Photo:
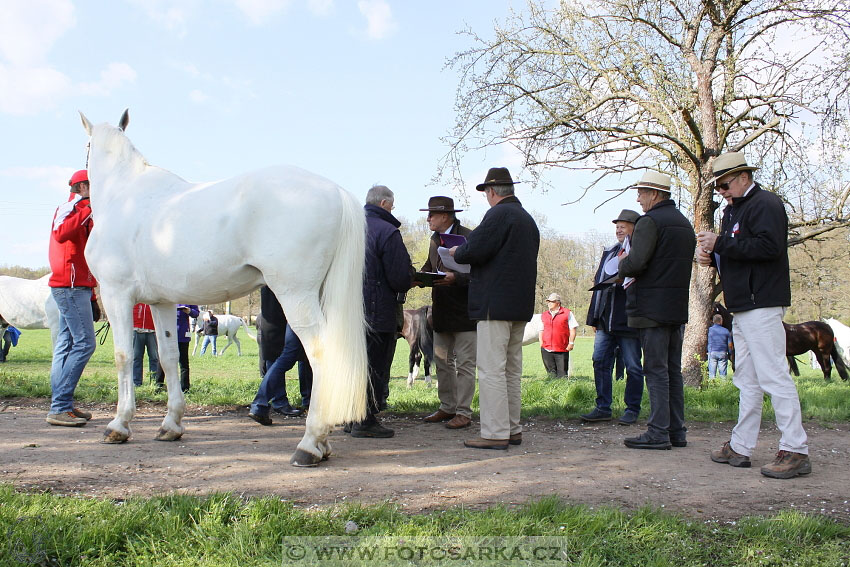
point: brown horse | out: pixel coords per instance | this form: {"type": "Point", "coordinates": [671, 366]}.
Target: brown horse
{"type": "Point", "coordinates": [812, 336]}
{"type": "Point", "coordinates": [418, 330]}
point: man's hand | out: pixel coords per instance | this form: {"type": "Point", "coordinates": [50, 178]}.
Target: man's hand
{"type": "Point", "coordinates": [452, 251]}
{"type": "Point", "coordinates": [703, 257]}
{"type": "Point", "coordinates": [570, 346]}
{"type": "Point", "coordinates": [706, 240]}
{"type": "Point", "coordinates": [450, 279]}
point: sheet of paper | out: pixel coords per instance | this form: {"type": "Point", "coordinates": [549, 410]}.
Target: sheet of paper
{"type": "Point", "coordinates": [449, 262]}
{"type": "Point", "coordinates": [627, 246]}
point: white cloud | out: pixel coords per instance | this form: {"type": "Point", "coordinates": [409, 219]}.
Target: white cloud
{"type": "Point", "coordinates": [258, 11]}
{"type": "Point", "coordinates": [113, 77]}
{"type": "Point", "coordinates": [172, 15]}
{"type": "Point", "coordinates": [320, 7]}
{"type": "Point", "coordinates": [198, 96]}
{"type": "Point", "coordinates": [26, 91]}
{"type": "Point", "coordinates": [379, 18]}
{"type": "Point", "coordinates": [29, 29]}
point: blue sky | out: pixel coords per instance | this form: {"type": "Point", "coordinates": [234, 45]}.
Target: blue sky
{"type": "Point", "coordinates": [356, 91]}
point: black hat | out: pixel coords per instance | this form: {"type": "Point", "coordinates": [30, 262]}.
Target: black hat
{"type": "Point", "coordinates": [441, 205]}
{"type": "Point", "coordinates": [627, 215]}
{"type": "Point", "coordinates": [497, 176]}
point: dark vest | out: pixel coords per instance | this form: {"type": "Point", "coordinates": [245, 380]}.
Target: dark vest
{"type": "Point", "coordinates": [661, 292]}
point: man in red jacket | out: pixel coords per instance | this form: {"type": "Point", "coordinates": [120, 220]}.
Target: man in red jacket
{"type": "Point", "coordinates": [558, 336]}
{"type": "Point", "coordinates": [71, 285]}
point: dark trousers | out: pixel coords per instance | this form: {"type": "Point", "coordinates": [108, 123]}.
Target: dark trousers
{"type": "Point", "coordinates": [604, 347]}
{"type": "Point", "coordinates": [272, 390]}
{"type": "Point", "coordinates": [7, 344]}
{"type": "Point", "coordinates": [662, 367]}
{"type": "Point", "coordinates": [380, 349]}
{"type": "Point", "coordinates": [183, 361]}
{"type": "Point", "coordinates": [556, 363]}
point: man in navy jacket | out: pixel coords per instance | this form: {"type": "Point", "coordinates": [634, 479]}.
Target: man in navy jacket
{"type": "Point", "coordinates": [502, 252]}
{"type": "Point", "coordinates": [388, 275]}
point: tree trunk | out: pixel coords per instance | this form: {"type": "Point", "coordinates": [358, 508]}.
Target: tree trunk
{"type": "Point", "coordinates": [700, 307]}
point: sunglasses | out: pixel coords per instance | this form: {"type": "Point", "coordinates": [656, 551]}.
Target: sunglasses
{"type": "Point", "coordinates": [725, 186]}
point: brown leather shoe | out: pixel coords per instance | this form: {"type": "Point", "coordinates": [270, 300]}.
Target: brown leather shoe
{"type": "Point", "coordinates": [459, 422]}
{"type": "Point", "coordinates": [726, 455]}
{"type": "Point", "coordinates": [515, 439]}
{"type": "Point", "coordinates": [481, 443]}
{"type": "Point", "coordinates": [439, 416]}
{"type": "Point", "coordinates": [788, 465]}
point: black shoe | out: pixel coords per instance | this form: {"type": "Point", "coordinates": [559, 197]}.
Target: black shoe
{"type": "Point", "coordinates": [679, 442]}
{"type": "Point", "coordinates": [644, 441]}
{"type": "Point", "coordinates": [347, 427]}
{"type": "Point", "coordinates": [261, 419]}
{"type": "Point", "coordinates": [371, 429]}
{"type": "Point", "coordinates": [287, 410]}
{"type": "Point", "coordinates": [596, 415]}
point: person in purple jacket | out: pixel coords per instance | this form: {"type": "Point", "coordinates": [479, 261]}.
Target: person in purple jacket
{"type": "Point", "coordinates": [183, 337]}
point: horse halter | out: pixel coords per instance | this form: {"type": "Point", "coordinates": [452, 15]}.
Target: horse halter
{"type": "Point", "coordinates": [88, 152]}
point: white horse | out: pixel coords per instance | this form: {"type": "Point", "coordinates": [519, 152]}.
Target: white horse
{"type": "Point", "coordinates": [299, 233]}
{"type": "Point", "coordinates": [28, 304]}
{"type": "Point", "coordinates": [842, 337]}
{"type": "Point", "coordinates": [532, 330]}
{"type": "Point", "coordinates": [228, 325]}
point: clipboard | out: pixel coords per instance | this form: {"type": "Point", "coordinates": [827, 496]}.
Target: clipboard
{"type": "Point", "coordinates": [451, 240]}
{"type": "Point", "coordinates": [609, 281]}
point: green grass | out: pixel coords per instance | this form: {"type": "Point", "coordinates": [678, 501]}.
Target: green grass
{"type": "Point", "coordinates": [224, 530]}
{"type": "Point", "coordinates": [232, 380]}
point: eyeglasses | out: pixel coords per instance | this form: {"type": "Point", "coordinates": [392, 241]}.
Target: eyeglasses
{"type": "Point", "coordinates": [725, 186]}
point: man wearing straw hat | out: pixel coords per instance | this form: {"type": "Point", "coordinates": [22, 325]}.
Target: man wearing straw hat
{"type": "Point", "coordinates": [502, 252]}
{"type": "Point", "coordinates": [660, 261]}
{"type": "Point", "coordinates": [751, 256]}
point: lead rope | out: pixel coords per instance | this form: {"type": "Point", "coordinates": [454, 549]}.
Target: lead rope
{"type": "Point", "coordinates": [104, 328]}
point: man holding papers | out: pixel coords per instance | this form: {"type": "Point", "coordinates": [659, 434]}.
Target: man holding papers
{"type": "Point", "coordinates": [454, 333]}
{"type": "Point", "coordinates": [503, 254]}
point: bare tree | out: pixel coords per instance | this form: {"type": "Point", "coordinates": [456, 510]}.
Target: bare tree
{"type": "Point", "coordinates": [612, 86]}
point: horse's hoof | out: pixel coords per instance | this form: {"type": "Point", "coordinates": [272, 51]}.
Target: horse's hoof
{"type": "Point", "coordinates": [301, 458]}
{"type": "Point", "coordinates": [114, 437]}
{"type": "Point", "coordinates": [166, 435]}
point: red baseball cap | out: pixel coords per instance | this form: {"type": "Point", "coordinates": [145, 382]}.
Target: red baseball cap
{"type": "Point", "coordinates": [82, 175]}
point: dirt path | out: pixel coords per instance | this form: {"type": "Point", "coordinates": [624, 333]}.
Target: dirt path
{"type": "Point", "coordinates": [423, 467]}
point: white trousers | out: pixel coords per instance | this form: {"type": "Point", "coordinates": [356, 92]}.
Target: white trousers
{"type": "Point", "coordinates": [761, 368]}
{"type": "Point", "coordinates": [499, 377]}
{"type": "Point", "coordinates": [454, 355]}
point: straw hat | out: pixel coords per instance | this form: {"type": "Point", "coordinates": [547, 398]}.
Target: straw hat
{"type": "Point", "coordinates": [653, 180]}
{"type": "Point", "coordinates": [730, 162]}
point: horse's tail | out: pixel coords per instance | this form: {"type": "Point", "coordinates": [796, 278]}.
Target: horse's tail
{"type": "Point", "coordinates": [247, 330]}
{"type": "Point", "coordinates": [839, 362]}
{"type": "Point", "coordinates": [340, 393]}
{"type": "Point", "coordinates": [426, 335]}
{"type": "Point", "coordinates": [792, 364]}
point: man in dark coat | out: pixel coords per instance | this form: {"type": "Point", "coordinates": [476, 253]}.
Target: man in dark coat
{"type": "Point", "coordinates": [751, 255]}
{"type": "Point", "coordinates": [454, 332]}
{"type": "Point", "coordinates": [660, 261]}
{"type": "Point", "coordinates": [607, 316]}
{"type": "Point", "coordinates": [387, 278]}
{"type": "Point", "coordinates": [502, 252]}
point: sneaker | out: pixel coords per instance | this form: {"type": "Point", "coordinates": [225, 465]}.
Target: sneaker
{"type": "Point", "coordinates": [644, 441]}
{"type": "Point", "coordinates": [66, 418]}
{"type": "Point", "coordinates": [80, 413]}
{"type": "Point", "coordinates": [596, 415]}
{"type": "Point", "coordinates": [629, 417]}
{"type": "Point", "coordinates": [261, 419]}
{"type": "Point", "coordinates": [728, 456]}
{"type": "Point", "coordinates": [788, 465]}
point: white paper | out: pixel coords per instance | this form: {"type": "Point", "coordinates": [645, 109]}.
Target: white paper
{"type": "Point", "coordinates": [449, 262]}
{"type": "Point", "coordinates": [626, 247]}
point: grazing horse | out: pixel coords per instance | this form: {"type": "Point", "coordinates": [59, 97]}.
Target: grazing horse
{"type": "Point", "coordinates": [28, 304]}
{"type": "Point", "coordinates": [299, 233]}
{"type": "Point", "coordinates": [809, 336]}
{"type": "Point", "coordinates": [815, 336]}
{"type": "Point", "coordinates": [418, 330]}
{"type": "Point", "coordinates": [228, 325]}
{"type": "Point", "coordinates": [532, 331]}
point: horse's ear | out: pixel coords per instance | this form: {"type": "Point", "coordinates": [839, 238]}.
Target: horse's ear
{"type": "Point", "coordinates": [125, 119]}
{"type": "Point", "coordinates": [86, 123]}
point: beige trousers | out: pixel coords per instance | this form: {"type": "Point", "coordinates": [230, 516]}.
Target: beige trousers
{"type": "Point", "coordinates": [499, 375]}
{"type": "Point", "coordinates": [454, 355]}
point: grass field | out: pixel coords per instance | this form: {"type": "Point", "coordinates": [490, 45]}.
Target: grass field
{"type": "Point", "coordinates": [224, 530]}
{"type": "Point", "coordinates": [233, 380]}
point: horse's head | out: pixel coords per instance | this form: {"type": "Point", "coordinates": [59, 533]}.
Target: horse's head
{"type": "Point", "coordinates": [109, 150]}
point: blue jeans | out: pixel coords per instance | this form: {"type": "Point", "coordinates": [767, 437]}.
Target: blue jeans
{"type": "Point", "coordinates": [662, 366]}
{"type": "Point", "coordinates": [272, 388]}
{"type": "Point", "coordinates": [208, 340]}
{"type": "Point", "coordinates": [604, 347]}
{"type": "Point", "coordinates": [74, 345]}
{"type": "Point", "coordinates": [142, 341]}
{"type": "Point", "coordinates": [717, 361]}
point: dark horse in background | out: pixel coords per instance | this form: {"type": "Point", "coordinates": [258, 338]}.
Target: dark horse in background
{"type": "Point", "coordinates": [418, 330]}
{"type": "Point", "coordinates": [814, 336]}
